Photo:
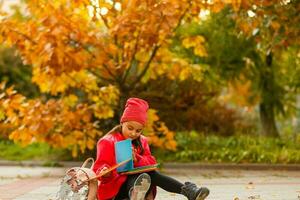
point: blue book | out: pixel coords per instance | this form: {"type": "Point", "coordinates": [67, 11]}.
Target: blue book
{"type": "Point", "coordinates": [123, 151]}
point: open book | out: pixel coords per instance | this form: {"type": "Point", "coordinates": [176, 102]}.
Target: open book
{"type": "Point", "coordinates": [123, 151]}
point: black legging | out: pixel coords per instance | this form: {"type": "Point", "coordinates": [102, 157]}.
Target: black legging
{"type": "Point", "coordinates": [157, 179]}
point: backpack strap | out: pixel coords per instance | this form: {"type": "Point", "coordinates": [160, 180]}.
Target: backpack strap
{"type": "Point", "coordinates": [87, 161]}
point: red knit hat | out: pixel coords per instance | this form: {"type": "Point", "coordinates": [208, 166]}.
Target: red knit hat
{"type": "Point", "coordinates": [135, 110]}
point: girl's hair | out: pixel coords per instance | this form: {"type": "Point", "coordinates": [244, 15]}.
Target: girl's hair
{"type": "Point", "coordinates": [136, 142]}
{"type": "Point", "coordinates": [116, 129]}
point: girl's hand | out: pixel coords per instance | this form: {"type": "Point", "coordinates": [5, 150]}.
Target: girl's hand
{"type": "Point", "coordinates": [105, 175]}
{"type": "Point", "coordinates": [134, 154]}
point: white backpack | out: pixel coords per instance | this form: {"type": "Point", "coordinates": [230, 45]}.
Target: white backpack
{"type": "Point", "coordinates": [76, 184]}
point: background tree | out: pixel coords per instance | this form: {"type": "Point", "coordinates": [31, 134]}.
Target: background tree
{"type": "Point", "coordinates": [88, 56]}
{"type": "Point", "coordinates": [13, 72]}
{"type": "Point", "coordinates": [254, 56]}
{"type": "Point", "coordinates": [275, 27]}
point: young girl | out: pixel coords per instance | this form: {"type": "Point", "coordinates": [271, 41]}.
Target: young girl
{"type": "Point", "coordinates": [138, 186]}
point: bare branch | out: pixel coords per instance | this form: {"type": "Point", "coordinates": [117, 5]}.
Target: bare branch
{"type": "Point", "coordinates": [156, 47]}
{"type": "Point", "coordinates": [24, 35]}
{"type": "Point", "coordinates": [94, 56]}
{"type": "Point", "coordinates": [182, 16]}
{"type": "Point", "coordinates": [109, 71]}
{"type": "Point", "coordinates": [146, 67]}
{"type": "Point", "coordinates": [131, 59]}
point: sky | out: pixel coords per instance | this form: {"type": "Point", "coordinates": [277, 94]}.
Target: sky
{"type": "Point", "coordinates": [7, 3]}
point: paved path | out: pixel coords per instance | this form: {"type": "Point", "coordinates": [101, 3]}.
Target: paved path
{"type": "Point", "coordinates": [39, 183]}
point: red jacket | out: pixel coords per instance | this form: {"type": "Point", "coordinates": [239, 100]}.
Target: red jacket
{"type": "Point", "coordinates": [110, 186]}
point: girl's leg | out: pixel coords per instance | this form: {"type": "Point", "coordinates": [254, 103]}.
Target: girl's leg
{"type": "Point", "coordinates": [123, 193]}
{"type": "Point", "coordinates": [150, 195]}
{"type": "Point", "coordinates": [165, 182]}
{"type": "Point", "coordinates": [188, 189]}
{"type": "Point", "coordinates": [137, 185]}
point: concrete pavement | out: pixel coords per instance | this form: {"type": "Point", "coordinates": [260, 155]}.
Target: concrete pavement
{"type": "Point", "coordinates": [41, 183]}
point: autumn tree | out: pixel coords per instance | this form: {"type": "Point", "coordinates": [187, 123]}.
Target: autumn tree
{"type": "Point", "coordinates": [88, 56]}
{"type": "Point", "coordinates": [275, 27]}
{"type": "Point", "coordinates": [255, 47]}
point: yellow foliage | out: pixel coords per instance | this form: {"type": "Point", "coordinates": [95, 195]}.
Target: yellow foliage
{"type": "Point", "coordinates": [159, 135]}
{"type": "Point", "coordinates": [90, 144]}
{"type": "Point", "coordinates": [236, 4]}
{"type": "Point", "coordinates": [171, 145]}
{"type": "Point", "coordinates": [184, 74]}
{"type": "Point", "coordinates": [217, 6]}
{"type": "Point", "coordinates": [70, 100]}
{"type": "Point", "coordinates": [54, 84]}
{"type": "Point", "coordinates": [166, 63]}
{"type": "Point", "coordinates": [142, 56]}
{"type": "Point", "coordinates": [275, 25]}
{"type": "Point", "coordinates": [58, 140]}
{"type": "Point", "coordinates": [200, 51]}
{"type": "Point", "coordinates": [54, 122]}
{"type": "Point", "coordinates": [77, 135]}
{"type": "Point", "coordinates": [197, 42]}
{"type": "Point", "coordinates": [239, 92]}
{"type": "Point", "coordinates": [193, 41]}
{"type": "Point", "coordinates": [245, 27]}
{"type": "Point", "coordinates": [107, 98]}
{"type": "Point", "coordinates": [188, 42]}
{"type": "Point", "coordinates": [75, 151]}
{"type": "Point", "coordinates": [2, 114]}
{"type": "Point", "coordinates": [72, 47]}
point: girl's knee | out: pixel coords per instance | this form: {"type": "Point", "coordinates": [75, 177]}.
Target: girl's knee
{"type": "Point", "coordinates": [153, 173]}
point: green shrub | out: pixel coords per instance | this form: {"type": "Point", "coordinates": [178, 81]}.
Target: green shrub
{"type": "Point", "coordinates": [197, 147]}
{"type": "Point", "coordinates": [192, 147]}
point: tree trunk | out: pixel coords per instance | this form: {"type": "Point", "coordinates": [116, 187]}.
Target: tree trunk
{"type": "Point", "coordinates": [267, 118]}
{"type": "Point", "coordinates": [268, 99]}
{"type": "Point", "coordinates": [122, 101]}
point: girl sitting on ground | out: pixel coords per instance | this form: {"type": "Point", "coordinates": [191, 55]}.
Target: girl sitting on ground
{"type": "Point", "coordinates": [114, 186]}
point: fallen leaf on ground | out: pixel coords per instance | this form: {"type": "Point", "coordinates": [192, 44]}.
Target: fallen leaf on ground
{"type": "Point", "coordinates": [250, 185]}
{"type": "Point", "coordinates": [255, 197]}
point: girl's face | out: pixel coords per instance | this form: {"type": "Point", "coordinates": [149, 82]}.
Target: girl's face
{"type": "Point", "coordinates": [132, 129]}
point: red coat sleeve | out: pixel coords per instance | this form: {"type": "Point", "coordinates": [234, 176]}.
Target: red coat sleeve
{"type": "Point", "coordinates": [146, 158]}
{"type": "Point", "coordinates": [105, 158]}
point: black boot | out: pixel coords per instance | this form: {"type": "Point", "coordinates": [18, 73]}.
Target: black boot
{"type": "Point", "coordinates": [192, 192]}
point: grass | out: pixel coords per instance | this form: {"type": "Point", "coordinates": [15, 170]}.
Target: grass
{"type": "Point", "coordinates": [15, 152]}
